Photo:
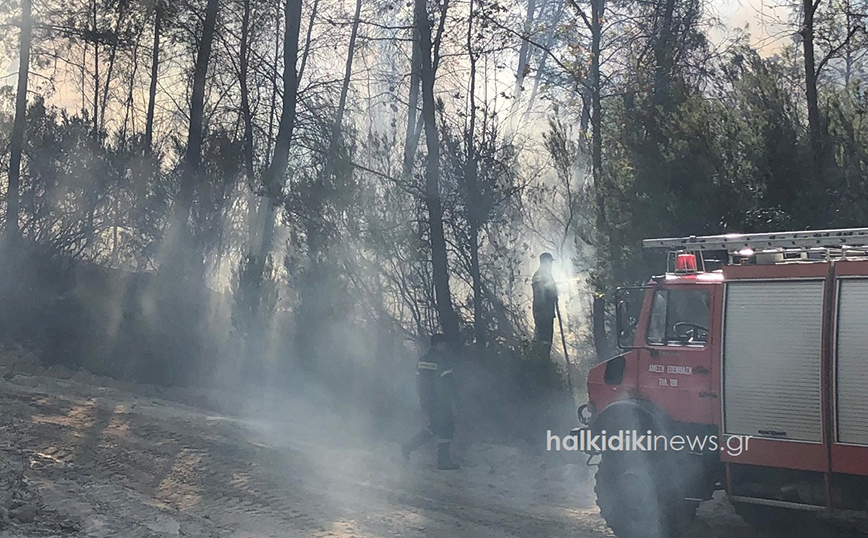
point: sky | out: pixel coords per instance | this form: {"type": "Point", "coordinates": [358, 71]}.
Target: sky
{"type": "Point", "coordinates": [760, 16]}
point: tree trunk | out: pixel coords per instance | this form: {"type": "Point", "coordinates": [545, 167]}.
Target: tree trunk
{"type": "Point", "coordinates": [260, 210]}
{"type": "Point", "coordinates": [814, 128]}
{"type": "Point", "coordinates": [16, 142]}
{"type": "Point", "coordinates": [152, 89]}
{"type": "Point", "coordinates": [92, 195]}
{"type": "Point", "coordinates": [95, 69]}
{"type": "Point", "coordinates": [272, 105]}
{"type": "Point", "coordinates": [663, 54]}
{"type": "Point", "coordinates": [111, 66]}
{"type": "Point", "coordinates": [414, 125]}
{"type": "Point", "coordinates": [550, 36]}
{"type": "Point", "coordinates": [246, 113]}
{"type": "Point", "coordinates": [479, 324]}
{"type": "Point", "coordinates": [411, 141]}
{"type": "Point", "coordinates": [848, 48]}
{"type": "Point", "coordinates": [180, 259]}
{"type": "Point", "coordinates": [274, 176]}
{"type": "Point", "coordinates": [129, 117]}
{"type": "Point", "coordinates": [308, 39]}
{"type": "Point", "coordinates": [440, 262]}
{"type": "Point", "coordinates": [523, 52]}
{"type": "Point", "coordinates": [342, 103]}
{"type": "Point", "coordinates": [602, 232]}
{"type": "Point", "coordinates": [247, 119]}
{"type": "Point", "coordinates": [193, 153]}
{"type": "Point", "coordinates": [473, 205]}
{"type": "Point", "coordinates": [83, 71]}
{"type": "Point", "coordinates": [598, 9]}
{"type": "Point", "coordinates": [601, 342]}
{"type": "Point", "coordinates": [597, 13]}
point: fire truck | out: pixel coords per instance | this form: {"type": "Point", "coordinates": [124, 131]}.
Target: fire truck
{"type": "Point", "coordinates": [756, 344]}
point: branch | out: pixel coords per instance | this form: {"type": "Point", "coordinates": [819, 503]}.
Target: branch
{"type": "Point", "coordinates": [579, 82]}
{"type": "Point", "coordinates": [383, 26]}
{"type": "Point", "coordinates": [377, 173]}
{"type": "Point", "coordinates": [582, 14]}
{"type": "Point", "coordinates": [834, 52]}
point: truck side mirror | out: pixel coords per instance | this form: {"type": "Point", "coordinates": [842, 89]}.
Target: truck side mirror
{"type": "Point", "coordinates": [628, 306]}
{"type": "Point", "coordinates": [620, 316]}
{"type": "Point", "coordinates": [626, 331]}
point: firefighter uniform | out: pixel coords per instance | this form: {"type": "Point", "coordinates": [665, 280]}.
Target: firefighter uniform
{"type": "Point", "coordinates": [545, 299]}
{"type": "Point", "coordinates": [435, 384]}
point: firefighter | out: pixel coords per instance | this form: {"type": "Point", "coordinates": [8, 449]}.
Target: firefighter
{"type": "Point", "coordinates": [437, 394]}
{"type": "Point", "coordinates": [545, 300]}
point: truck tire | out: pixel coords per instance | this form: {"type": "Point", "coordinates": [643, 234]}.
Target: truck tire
{"type": "Point", "coordinates": [638, 497]}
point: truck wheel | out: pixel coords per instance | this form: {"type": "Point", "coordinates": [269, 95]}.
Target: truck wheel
{"type": "Point", "coordinates": [637, 496]}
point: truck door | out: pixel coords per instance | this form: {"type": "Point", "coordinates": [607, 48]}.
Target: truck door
{"type": "Point", "coordinates": [675, 364]}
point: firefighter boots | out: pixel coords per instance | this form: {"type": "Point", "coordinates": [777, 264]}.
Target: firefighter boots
{"type": "Point", "coordinates": [444, 457]}
{"type": "Point", "coordinates": [415, 442]}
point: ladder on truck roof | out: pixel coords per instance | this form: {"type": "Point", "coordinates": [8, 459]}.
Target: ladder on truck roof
{"type": "Point", "coordinates": [808, 239]}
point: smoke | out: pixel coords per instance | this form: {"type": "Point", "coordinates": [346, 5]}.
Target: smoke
{"type": "Point", "coordinates": [114, 275]}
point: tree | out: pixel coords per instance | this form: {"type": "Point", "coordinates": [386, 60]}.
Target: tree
{"type": "Point", "coordinates": [593, 87]}
{"type": "Point", "coordinates": [809, 9]}
{"type": "Point", "coordinates": [152, 87]}
{"type": "Point", "coordinates": [471, 180]}
{"type": "Point", "coordinates": [439, 260]}
{"type": "Point", "coordinates": [193, 152]}
{"type": "Point", "coordinates": [274, 177]}
{"type": "Point", "coordinates": [523, 68]}
{"type": "Point", "coordinates": [16, 143]}
{"type": "Point", "coordinates": [411, 140]}
{"type": "Point", "coordinates": [836, 46]}
{"type": "Point", "coordinates": [345, 87]}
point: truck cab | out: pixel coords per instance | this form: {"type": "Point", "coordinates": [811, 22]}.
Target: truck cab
{"type": "Point", "coordinates": [667, 348]}
{"type": "Point", "coordinates": [751, 378]}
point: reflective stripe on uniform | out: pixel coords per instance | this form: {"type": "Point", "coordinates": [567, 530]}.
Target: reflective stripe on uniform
{"type": "Point", "coordinates": [426, 365]}
{"type": "Point", "coordinates": [449, 371]}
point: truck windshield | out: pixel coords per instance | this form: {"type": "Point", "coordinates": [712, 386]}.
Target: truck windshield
{"type": "Point", "coordinates": [679, 317]}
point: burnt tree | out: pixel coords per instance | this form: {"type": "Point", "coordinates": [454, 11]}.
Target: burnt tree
{"type": "Point", "coordinates": [433, 202]}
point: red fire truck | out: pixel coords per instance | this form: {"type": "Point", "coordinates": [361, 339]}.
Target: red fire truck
{"type": "Point", "coordinates": [756, 344]}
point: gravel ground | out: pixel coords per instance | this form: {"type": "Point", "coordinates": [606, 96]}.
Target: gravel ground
{"type": "Point", "coordinates": [84, 456]}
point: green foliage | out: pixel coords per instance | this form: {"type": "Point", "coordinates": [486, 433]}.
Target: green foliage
{"type": "Point", "coordinates": [848, 143]}
{"type": "Point", "coordinates": [732, 161]}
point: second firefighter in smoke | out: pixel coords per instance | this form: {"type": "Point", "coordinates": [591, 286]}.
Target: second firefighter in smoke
{"type": "Point", "coordinates": [435, 382]}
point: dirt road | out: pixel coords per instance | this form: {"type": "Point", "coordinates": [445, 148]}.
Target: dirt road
{"type": "Point", "coordinates": [78, 459]}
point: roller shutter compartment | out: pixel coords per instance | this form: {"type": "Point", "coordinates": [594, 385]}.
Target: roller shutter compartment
{"type": "Point", "coordinates": [772, 359]}
{"type": "Point", "coordinates": [851, 347]}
